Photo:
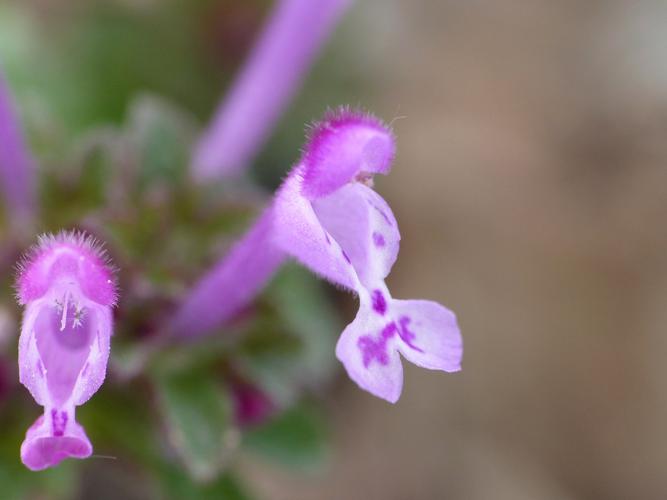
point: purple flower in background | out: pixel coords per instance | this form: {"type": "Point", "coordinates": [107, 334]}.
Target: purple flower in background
{"type": "Point", "coordinates": [280, 59]}
{"type": "Point", "coordinates": [16, 163]}
{"type": "Point", "coordinates": [251, 405]}
{"type": "Point", "coordinates": [67, 287]}
{"type": "Point", "coordinates": [327, 216]}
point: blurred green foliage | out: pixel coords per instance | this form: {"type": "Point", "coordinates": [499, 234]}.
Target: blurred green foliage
{"type": "Point", "coordinates": [296, 438]}
{"type": "Point", "coordinates": [88, 59]}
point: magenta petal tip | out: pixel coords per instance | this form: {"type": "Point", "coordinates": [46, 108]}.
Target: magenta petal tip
{"type": "Point", "coordinates": [345, 145]}
{"type": "Point", "coordinates": [67, 251]}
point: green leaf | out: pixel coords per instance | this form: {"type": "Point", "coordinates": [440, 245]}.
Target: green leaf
{"type": "Point", "coordinates": [302, 315]}
{"type": "Point", "coordinates": [196, 412]}
{"type": "Point", "coordinates": [163, 134]}
{"type": "Point", "coordinates": [296, 438]}
{"type": "Point", "coordinates": [177, 485]}
{"type": "Point", "coordinates": [120, 423]}
{"type": "Point", "coordinates": [307, 311]}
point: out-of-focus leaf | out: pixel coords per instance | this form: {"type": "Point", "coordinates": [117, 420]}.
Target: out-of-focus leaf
{"type": "Point", "coordinates": [95, 173]}
{"type": "Point", "coordinates": [177, 486]}
{"type": "Point", "coordinates": [267, 341]}
{"type": "Point", "coordinates": [296, 438]}
{"type": "Point", "coordinates": [120, 422]}
{"type": "Point", "coordinates": [19, 483]}
{"type": "Point", "coordinates": [61, 482]}
{"type": "Point", "coordinates": [88, 64]}
{"type": "Point", "coordinates": [197, 416]}
{"type": "Point", "coordinates": [308, 312]}
{"type": "Point", "coordinates": [163, 135]}
{"type": "Point", "coordinates": [78, 185]}
{"type": "Point", "coordinates": [308, 324]}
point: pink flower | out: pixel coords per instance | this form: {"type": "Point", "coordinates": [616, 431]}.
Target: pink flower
{"type": "Point", "coordinates": [67, 288]}
{"type": "Point", "coordinates": [285, 49]}
{"type": "Point", "coordinates": [251, 405]}
{"type": "Point", "coordinates": [17, 181]}
{"type": "Point", "coordinates": [328, 217]}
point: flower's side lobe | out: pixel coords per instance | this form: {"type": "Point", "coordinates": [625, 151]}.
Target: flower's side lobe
{"type": "Point", "coordinates": [284, 51]}
{"type": "Point", "coordinates": [67, 288]}
{"type": "Point", "coordinates": [16, 162]}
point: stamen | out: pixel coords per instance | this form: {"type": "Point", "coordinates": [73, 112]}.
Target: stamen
{"type": "Point", "coordinates": [63, 319]}
{"type": "Point", "coordinates": [78, 317]}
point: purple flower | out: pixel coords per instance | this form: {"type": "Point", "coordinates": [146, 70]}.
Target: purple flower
{"type": "Point", "coordinates": [16, 163]}
{"type": "Point", "coordinates": [327, 216]}
{"type": "Point", "coordinates": [288, 44]}
{"type": "Point", "coordinates": [232, 283]}
{"type": "Point", "coordinates": [67, 287]}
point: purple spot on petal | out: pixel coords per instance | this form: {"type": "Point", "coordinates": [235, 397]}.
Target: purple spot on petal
{"type": "Point", "coordinates": [346, 257]}
{"type": "Point", "coordinates": [379, 302]}
{"type": "Point", "coordinates": [58, 422]}
{"type": "Point", "coordinates": [382, 213]}
{"type": "Point", "coordinates": [326, 237]}
{"type": "Point", "coordinates": [406, 335]}
{"type": "Point", "coordinates": [376, 349]}
{"type": "Point", "coordinates": [378, 239]}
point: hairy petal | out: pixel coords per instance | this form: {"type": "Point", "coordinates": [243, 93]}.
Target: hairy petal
{"type": "Point", "coordinates": [72, 253]}
{"type": "Point", "coordinates": [288, 44]}
{"type": "Point", "coordinates": [346, 144]}
{"type": "Point", "coordinates": [16, 163]}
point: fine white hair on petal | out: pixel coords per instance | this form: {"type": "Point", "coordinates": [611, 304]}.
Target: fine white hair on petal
{"type": "Point", "coordinates": [75, 238]}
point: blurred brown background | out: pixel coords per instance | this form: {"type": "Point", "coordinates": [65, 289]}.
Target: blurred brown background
{"type": "Point", "coordinates": [531, 189]}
